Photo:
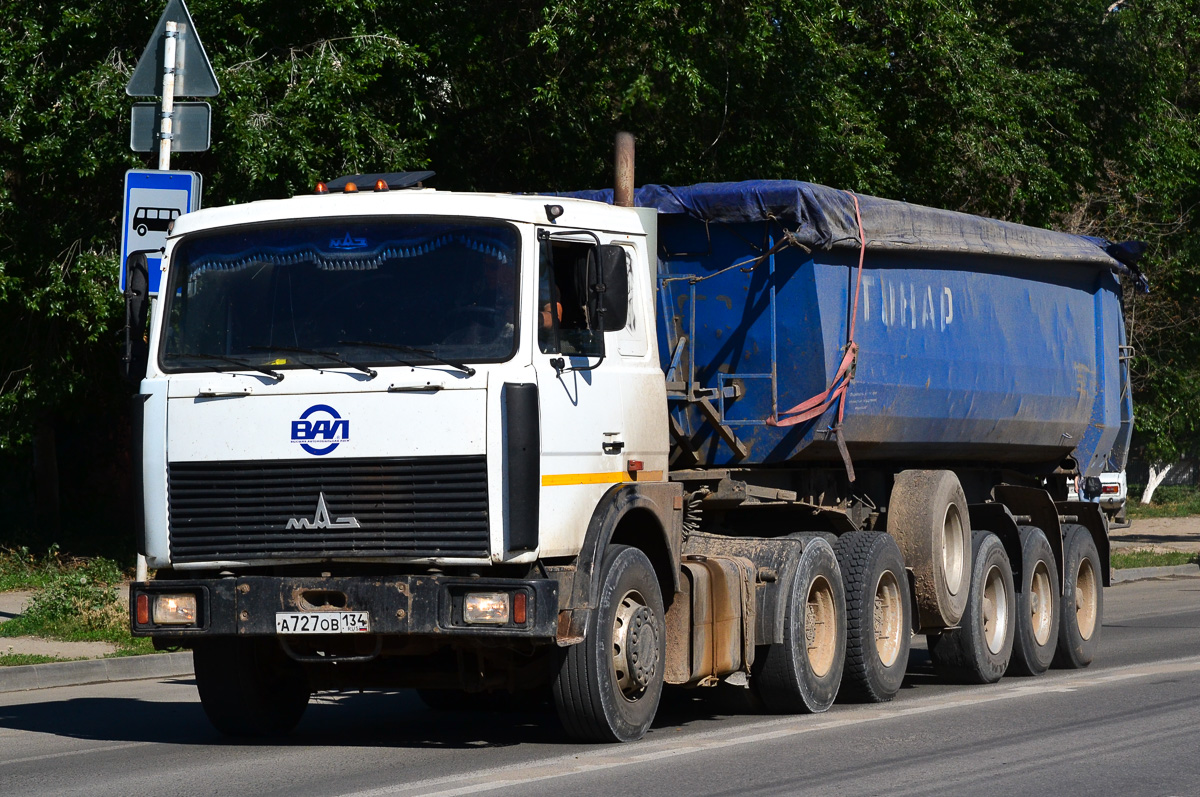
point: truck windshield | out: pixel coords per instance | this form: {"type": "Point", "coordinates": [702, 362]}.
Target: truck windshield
{"type": "Point", "coordinates": [377, 292]}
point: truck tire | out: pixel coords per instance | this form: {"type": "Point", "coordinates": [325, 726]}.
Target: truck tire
{"type": "Point", "coordinates": [927, 514]}
{"type": "Point", "coordinates": [1082, 609]}
{"type": "Point", "coordinates": [1038, 606]}
{"type": "Point", "coordinates": [802, 673]}
{"type": "Point", "coordinates": [249, 687]}
{"type": "Point", "coordinates": [608, 687]}
{"type": "Point", "coordinates": [878, 617]}
{"type": "Point", "coordinates": [979, 650]}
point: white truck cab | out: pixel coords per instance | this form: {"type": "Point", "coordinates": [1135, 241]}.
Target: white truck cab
{"type": "Point", "coordinates": [345, 330]}
{"type": "Point", "coordinates": [377, 429]}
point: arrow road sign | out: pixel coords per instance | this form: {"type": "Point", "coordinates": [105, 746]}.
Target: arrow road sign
{"type": "Point", "coordinates": [191, 127]}
{"type": "Point", "coordinates": [153, 200]}
{"type": "Point", "coordinates": [194, 76]}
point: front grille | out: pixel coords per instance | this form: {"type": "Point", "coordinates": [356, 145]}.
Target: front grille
{"type": "Point", "coordinates": [241, 511]}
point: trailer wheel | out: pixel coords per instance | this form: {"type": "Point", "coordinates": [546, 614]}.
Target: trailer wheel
{"type": "Point", "coordinates": [1038, 606]}
{"type": "Point", "coordinates": [249, 687]}
{"type": "Point", "coordinates": [803, 672]}
{"type": "Point", "coordinates": [608, 686]}
{"type": "Point", "coordinates": [979, 650]}
{"type": "Point", "coordinates": [927, 514]}
{"type": "Point", "coordinates": [1082, 608]}
{"type": "Point", "coordinates": [877, 616]}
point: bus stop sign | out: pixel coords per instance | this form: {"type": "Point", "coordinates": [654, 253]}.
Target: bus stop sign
{"type": "Point", "coordinates": [154, 199]}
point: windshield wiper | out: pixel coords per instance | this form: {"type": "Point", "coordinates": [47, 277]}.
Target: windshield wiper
{"type": "Point", "coordinates": [278, 377]}
{"type": "Point", "coordinates": [466, 369]}
{"type": "Point", "coordinates": [329, 355]}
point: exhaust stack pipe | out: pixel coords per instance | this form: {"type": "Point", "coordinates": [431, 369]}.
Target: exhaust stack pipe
{"type": "Point", "coordinates": [623, 159]}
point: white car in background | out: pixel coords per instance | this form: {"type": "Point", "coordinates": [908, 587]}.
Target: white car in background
{"type": "Point", "coordinates": [1113, 492]}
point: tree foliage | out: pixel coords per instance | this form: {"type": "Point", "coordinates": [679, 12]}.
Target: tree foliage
{"type": "Point", "coordinates": [1078, 114]}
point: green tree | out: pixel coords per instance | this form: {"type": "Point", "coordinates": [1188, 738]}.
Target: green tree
{"type": "Point", "coordinates": [1079, 114]}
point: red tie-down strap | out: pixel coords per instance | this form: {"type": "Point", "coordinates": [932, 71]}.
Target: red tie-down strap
{"type": "Point", "coordinates": [836, 392]}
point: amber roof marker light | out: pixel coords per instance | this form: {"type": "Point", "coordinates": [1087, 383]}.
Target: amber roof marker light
{"type": "Point", "coordinates": [320, 188]}
{"type": "Point", "coordinates": [393, 181]}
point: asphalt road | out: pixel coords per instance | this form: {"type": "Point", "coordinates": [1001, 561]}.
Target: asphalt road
{"type": "Point", "coordinates": [1129, 725]}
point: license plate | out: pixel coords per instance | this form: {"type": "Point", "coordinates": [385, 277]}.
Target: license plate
{"type": "Point", "coordinates": [322, 622]}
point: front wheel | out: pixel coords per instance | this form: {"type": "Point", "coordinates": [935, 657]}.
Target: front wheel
{"type": "Point", "coordinates": [608, 686]}
{"type": "Point", "coordinates": [249, 687]}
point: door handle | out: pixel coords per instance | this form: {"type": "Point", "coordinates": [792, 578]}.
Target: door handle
{"type": "Point", "coordinates": [613, 446]}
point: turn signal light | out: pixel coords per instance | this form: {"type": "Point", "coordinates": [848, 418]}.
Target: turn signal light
{"type": "Point", "coordinates": [518, 613]}
{"type": "Point", "coordinates": [175, 609]}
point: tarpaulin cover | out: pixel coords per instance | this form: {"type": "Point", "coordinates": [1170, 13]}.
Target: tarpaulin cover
{"type": "Point", "coordinates": [820, 217]}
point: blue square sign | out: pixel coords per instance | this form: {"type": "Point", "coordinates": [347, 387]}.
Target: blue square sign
{"type": "Point", "coordinates": [154, 199]}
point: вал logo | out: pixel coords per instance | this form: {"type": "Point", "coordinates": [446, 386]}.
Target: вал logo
{"type": "Point", "coordinates": [312, 428]}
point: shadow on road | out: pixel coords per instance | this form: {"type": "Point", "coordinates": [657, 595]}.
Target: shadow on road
{"type": "Point", "coordinates": [383, 720]}
{"type": "Point", "coordinates": [376, 719]}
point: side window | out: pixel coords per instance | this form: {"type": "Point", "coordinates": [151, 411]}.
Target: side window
{"type": "Point", "coordinates": [562, 301]}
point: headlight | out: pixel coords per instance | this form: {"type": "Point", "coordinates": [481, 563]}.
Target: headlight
{"type": "Point", "coordinates": [175, 609]}
{"type": "Point", "coordinates": [490, 608]}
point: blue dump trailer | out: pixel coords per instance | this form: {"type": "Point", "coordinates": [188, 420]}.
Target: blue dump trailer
{"type": "Point", "coordinates": [756, 434]}
{"type": "Point", "coordinates": [972, 341]}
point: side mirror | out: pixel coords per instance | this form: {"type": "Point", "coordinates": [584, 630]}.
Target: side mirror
{"type": "Point", "coordinates": [137, 304]}
{"type": "Point", "coordinates": [608, 288]}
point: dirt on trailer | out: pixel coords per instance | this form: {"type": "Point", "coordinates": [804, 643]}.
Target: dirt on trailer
{"type": "Point", "coordinates": [1159, 534]}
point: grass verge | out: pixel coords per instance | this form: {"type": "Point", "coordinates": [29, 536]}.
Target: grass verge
{"type": "Point", "coordinates": [21, 659]}
{"type": "Point", "coordinates": [1169, 501]}
{"type": "Point", "coordinates": [78, 602]}
{"type": "Point", "coordinates": [1125, 560]}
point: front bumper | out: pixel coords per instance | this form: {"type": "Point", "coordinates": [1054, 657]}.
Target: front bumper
{"type": "Point", "coordinates": [429, 605]}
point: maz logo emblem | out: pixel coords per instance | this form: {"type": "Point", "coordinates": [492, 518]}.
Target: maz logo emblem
{"type": "Point", "coordinates": [321, 520]}
{"type": "Point", "coordinates": [348, 242]}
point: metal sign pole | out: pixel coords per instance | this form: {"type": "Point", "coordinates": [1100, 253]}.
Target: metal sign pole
{"type": "Point", "coordinates": [165, 132]}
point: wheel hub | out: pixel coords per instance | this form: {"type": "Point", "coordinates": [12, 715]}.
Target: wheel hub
{"type": "Point", "coordinates": [889, 616]}
{"type": "Point", "coordinates": [1086, 599]}
{"type": "Point", "coordinates": [635, 646]}
{"type": "Point", "coordinates": [1041, 604]}
{"type": "Point", "coordinates": [994, 608]}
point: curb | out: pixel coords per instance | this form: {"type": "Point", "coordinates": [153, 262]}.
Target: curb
{"type": "Point", "coordinates": [95, 671]}
{"type": "Point", "coordinates": [1143, 573]}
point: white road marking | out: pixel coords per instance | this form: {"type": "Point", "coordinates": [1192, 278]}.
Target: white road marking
{"type": "Point", "coordinates": [609, 757]}
{"type": "Point", "coordinates": [66, 753]}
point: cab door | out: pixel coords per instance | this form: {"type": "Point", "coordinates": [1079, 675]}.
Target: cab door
{"type": "Point", "coordinates": [579, 387]}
